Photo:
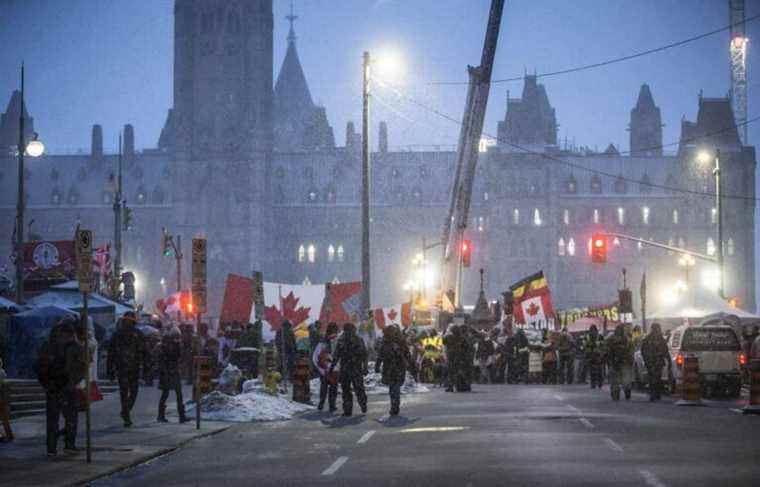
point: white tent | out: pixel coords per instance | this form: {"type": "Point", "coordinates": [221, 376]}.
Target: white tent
{"type": "Point", "coordinates": [695, 308]}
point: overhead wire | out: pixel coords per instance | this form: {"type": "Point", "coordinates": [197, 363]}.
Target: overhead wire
{"type": "Point", "coordinates": [613, 60]}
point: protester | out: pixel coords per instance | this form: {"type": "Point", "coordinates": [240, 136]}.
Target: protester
{"type": "Point", "coordinates": [548, 360]}
{"type": "Point", "coordinates": [168, 374]}
{"type": "Point", "coordinates": [285, 341]}
{"type": "Point", "coordinates": [566, 351]}
{"type": "Point", "coordinates": [394, 360]}
{"type": "Point", "coordinates": [322, 359]}
{"type": "Point", "coordinates": [485, 356]}
{"type": "Point", "coordinates": [60, 369]}
{"type": "Point", "coordinates": [126, 358]}
{"type": "Point", "coordinates": [522, 356]}
{"type": "Point", "coordinates": [594, 356]}
{"type": "Point", "coordinates": [654, 349]}
{"type": "Point", "coordinates": [351, 357]}
{"type": "Point", "coordinates": [620, 362]}
{"type": "Point", "coordinates": [5, 406]}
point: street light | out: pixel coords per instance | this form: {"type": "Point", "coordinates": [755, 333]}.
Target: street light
{"type": "Point", "coordinates": [33, 148]}
{"type": "Point", "coordinates": [705, 157]}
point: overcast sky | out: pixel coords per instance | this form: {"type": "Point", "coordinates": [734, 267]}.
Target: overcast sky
{"type": "Point", "coordinates": [110, 62]}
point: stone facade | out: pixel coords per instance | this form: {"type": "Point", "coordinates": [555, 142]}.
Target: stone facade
{"type": "Point", "coordinates": [253, 166]}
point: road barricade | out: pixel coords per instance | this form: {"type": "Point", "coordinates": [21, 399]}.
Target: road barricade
{"type": "Point", "coordinates": [690, 383]}
{"type": "Point", "coordinates": [753, 407]}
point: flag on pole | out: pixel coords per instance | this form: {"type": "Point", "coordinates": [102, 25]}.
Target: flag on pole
{"type": "Point", "coordinates": [532, 299]}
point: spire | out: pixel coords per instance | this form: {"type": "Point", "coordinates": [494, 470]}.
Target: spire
{"type": "Point", "coordinates": [292, 19]}
{"type": "Point", "coordinates": [645, 97]}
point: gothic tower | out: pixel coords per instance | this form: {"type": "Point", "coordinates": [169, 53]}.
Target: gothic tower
{"type": "Point", "coordinates": [646, 126]}
{"type": "Point", "coordinates": [222, 79]}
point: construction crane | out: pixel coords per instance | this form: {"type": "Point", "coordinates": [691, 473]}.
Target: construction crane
{"type": "Point", "coordinates": [467, 158]}
{"type": "Point", "coordinates": [738, 47]}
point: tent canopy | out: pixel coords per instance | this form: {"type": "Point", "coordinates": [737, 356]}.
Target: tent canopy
{"type": "Point", "coordinates": [697, 308]}
{"type": "Point", "coordinates": [26, 332]}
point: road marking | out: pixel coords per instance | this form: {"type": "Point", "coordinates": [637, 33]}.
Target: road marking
{"type": "Point", "coordinates": [572, 408]}
{"type": "Point", "coordinates": [365, 438]}
{"type": "Point", "coordinates": [434, 429]}
{"type": "Point", "coordinates": [738, 411]}
{"type": "Point", "coordinates": [651, 479]}
{"type": "Point", "coordinates": [335, 466]}
{"type": "Point", "coordinates": [586, 423]}
{"type": "Point", "coordinates": [611, 443]}
{"type": "Point", "coordinates": [558, 397]}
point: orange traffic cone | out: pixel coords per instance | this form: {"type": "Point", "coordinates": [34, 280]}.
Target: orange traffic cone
{"type": "Point", "coordinates": [691, 392]}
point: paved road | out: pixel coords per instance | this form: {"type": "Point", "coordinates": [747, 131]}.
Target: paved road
{"type": "Point", "coordinates": [496, 435]}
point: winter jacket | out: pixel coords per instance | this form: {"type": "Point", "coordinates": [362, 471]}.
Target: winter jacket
{"type": "Point", "coordinates": [566, 345]}
{"type": "Point", "coordinates": [654, 349]}
{"type": "Point", "coordinates": [127, 351]}
{"type": "Point", "coordinates": [619, 349]}
{"type": "Point", "coordinates": [168, 364]}
{"type": "Point", "coordinates": [394, 359]}
{"type": "Point", "coordinates": [322, 356]}
{"type": "Point", "coordinates": [350, 354]}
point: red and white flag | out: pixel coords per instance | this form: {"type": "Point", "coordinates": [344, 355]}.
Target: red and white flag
{"type": "Point", "coordinates": [532, 300]}
{"type": "Point", "coordinates": [399, 314]}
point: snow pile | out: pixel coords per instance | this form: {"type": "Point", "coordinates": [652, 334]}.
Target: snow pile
{"type": "Point", "coordinates": [247, 407]}
{"type": "Point", "coordinates": [229, 380]}
{"type": "Point", "coordinates": [374, 385]}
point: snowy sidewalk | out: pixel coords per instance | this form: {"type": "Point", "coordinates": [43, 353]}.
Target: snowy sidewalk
{"type": "Point", "coordinates": [115, 448]}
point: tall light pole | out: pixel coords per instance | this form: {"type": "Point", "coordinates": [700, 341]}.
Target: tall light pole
{"type": "Point", "coordinates": [35, 148]}
{"type": "Point", "coordinates": [705, 157]}
{"type": "Point", "coordinates": [117, 208]}
{"type": "Point", "coordinates": [365, 301]}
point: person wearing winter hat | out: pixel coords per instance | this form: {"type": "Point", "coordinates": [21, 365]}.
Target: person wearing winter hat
{"type": "Point", "coordinates": [168, 374]}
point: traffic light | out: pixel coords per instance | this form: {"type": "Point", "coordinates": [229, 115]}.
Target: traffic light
{"type": "Point", "coordinates": [126, 218]}
{"type": "Point", "coordinates": [466, 253]}
{"type": "Point", "coordinates": [598, 249]}
{"type": "Point", "coordinates": [128, 279]}
{"type": "Point", "coordinates": [166, 244]}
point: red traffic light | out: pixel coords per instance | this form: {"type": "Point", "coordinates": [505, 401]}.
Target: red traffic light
{"type": "Point", "coordinates": [466, 253]}
{"type": "Point", "coordinates": [599, 249]}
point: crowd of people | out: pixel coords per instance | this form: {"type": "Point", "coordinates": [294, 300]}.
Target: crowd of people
{"type": "Point", "coordinates": [339, 356]}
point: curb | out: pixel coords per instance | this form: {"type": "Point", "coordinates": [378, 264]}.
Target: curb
{"type": "Point", "coordinates": [147, 458]}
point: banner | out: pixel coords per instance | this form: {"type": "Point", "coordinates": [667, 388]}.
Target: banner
{"type": "Point", "coordinates": [400, 314]}
{"type": "Point", "coordinates": [532, 300]}
{"type": "Point", "coordinates": [611, 312]}
{"type": "Point", "coordinates": [342, 303]}
{"type": "Point", "coordinates": [49, 260]}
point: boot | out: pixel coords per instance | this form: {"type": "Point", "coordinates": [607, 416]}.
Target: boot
{"type": "Point", "coordinates": [162, 416]}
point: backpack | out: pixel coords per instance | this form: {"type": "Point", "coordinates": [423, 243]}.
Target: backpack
{"type": "Point", "coordinates": [51, 367]}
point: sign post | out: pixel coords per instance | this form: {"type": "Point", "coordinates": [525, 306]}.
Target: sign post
{"type": "Point", "coordinates": [84, 276]}
{"type": "Point", "coordinates": [199, 279]}
{"type": "Point", "coordinates": [202, 384]}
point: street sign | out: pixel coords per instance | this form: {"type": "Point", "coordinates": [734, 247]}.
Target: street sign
{"type": "Point", "coordinates": [258, 295]}
{"type": "Point", "coordinates": [84, 260]}
{"type": "Point", "coordinates": [199, 275]}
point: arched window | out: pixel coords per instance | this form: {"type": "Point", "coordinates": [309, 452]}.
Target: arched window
{"type": "Point", "coordinates": [714, 216]}
{"type": "Point", "coordinates": [516, 216]}
{"type": "Point", "coordinates": [645, 215]}
{"type": "Point", "coordinates": [561, 247]}
{"type": "Point", "coordinates": [730, 248]}
{"type": "Point", "coordinates": [595, 216]}
{"type": "Point", "coordinates": [571, 247]}
{"type": "Point", "coordinates": [312, 195]}
{"type": "Point", "coordinates": [537, 217]}
{"type": "Point", "coordinates": [621, 216]}
{"type": "Point", "coordinates": [571, 185]}
{"type": "Point", "coordinates": [620, 185]}
{"type": "Point", "coordinates": [596, 184]}
{"type": "Point", "coordinates": [301, 253]}
{"type": "Point", "coordinates": [141, 197]}
{"type": "Point", "coordinates": [710, 246]}
{"type": "Point", "coordinates": [312, 253]}
{"type": "Point", "coordinates": [566, 216]}
{"type": "Point", "coordinates": [55, 198]}
{"type": "Point", "coordinates": [481, 223]}
{"type": "Point", "coordinates": [645, 185]}
{"type": "Point", "coordinates": [341, 254]}
{"type": "Point", "coordinates": [330, 253]}
{"type": "Point", "coordinates": [676, 217]}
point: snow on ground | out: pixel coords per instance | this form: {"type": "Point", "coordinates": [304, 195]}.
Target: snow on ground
{"type": "Point", "coordinates": [374, 386]}
{"type": "Point", "coordinates": [253, 405]}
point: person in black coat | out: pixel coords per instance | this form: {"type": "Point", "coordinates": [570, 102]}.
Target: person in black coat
{"type": "Point", "coordinates": [394, 359]}
{"type": "Point", "coordinates": [126, 357]}
{"type": "Point", "coordinates": [168, 374]}
{"type": "Point", "coordinates": [61, 367]}
{"type": "Point", "coordinates": [351, 357]}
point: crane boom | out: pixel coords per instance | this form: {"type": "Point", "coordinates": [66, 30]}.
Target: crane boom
{"type": "Point", "coordinates": [467, 156]}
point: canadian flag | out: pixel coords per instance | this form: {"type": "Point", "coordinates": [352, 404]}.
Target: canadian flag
{"type": "Point", "coordinates": [532, 300]}
{"type": "Point", "coordinates": [399, 314]}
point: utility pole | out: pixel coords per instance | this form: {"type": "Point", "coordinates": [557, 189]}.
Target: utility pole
{"type": "Point", "coordinates": [178, 256]}
{"type": "Point", "coordinates": [365, 301]}
{"type": "Point", "coordinates": [719, 210]}
{"type": "Point", "coordinates": [21, 202]}
{"type": "Point", "coordinates": [117, 209]}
